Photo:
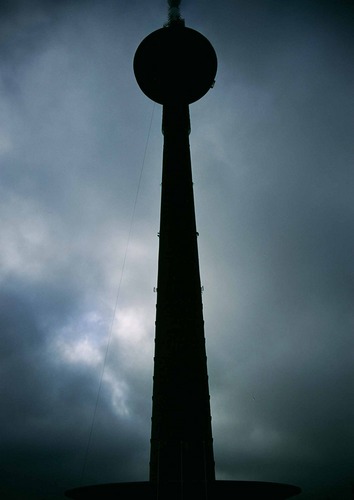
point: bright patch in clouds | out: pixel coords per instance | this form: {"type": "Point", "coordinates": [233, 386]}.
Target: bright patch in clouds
{"type": "Point", "coordinates": [118, 391]}
{"type": "Point", "coordinates": [130, 325]}
{"type": "Point", "coordinates": [80, 351]}
{"type": "Point", "coordinates": [23, 238]}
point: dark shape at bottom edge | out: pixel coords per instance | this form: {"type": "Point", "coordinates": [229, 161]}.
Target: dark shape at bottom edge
{"type": "Point", "coordinates": [212, 490]}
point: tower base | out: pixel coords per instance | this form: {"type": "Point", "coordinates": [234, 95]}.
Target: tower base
{"type": "Point", "coordinates": [215, 490]}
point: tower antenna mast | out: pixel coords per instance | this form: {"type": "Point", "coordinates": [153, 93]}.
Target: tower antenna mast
{"type": "Point", "coordinates": [174, 15]}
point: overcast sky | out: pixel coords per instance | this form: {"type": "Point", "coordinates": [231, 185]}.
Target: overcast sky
{"type": "Point", "coordinates": [272, 151]}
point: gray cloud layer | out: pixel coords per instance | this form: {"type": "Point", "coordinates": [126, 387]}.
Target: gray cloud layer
{"type": "Point", "coordinates": [272, 154]}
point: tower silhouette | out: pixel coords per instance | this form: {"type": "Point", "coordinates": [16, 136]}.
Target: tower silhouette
{"type": "Point", "coordinates": [175, 66]}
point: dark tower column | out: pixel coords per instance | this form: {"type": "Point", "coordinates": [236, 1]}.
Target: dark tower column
{"type": "Point", "coordinates": [181, 437]}
{"type": "Point", "coordinates": [175, 66]}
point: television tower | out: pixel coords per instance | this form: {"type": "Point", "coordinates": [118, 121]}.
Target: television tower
{"type": "Point", "coordinates": [175, 66]}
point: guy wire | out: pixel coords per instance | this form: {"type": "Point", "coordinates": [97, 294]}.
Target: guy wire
{"type": "Point", "coordinates": [110, 330]}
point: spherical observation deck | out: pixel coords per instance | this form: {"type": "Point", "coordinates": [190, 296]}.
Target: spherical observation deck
{"type": "Point", "coordinates": [175, 64]}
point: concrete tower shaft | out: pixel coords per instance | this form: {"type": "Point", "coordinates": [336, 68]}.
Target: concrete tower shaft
{"type": "Point", "coordinates": [175, 66]}
{"type": "Point", "coordinates": [181, 436]}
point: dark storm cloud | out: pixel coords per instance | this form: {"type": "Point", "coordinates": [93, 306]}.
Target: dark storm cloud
{"type": "Point", "coordinates": [281, 170]}
{"type": "Point", "coordinates": [272, 155]}
{"type": "Point", "coordinates": [47, 404]}
{"type": "Point", "coordinates": [58, 129]}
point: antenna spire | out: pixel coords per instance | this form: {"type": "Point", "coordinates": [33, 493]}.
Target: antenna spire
{"type": "Point", "coordinates": [174, 15]}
